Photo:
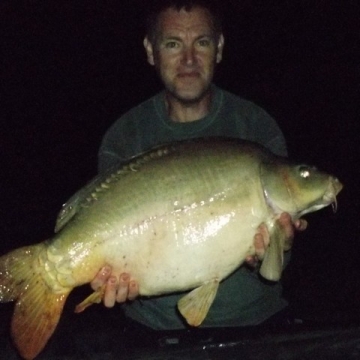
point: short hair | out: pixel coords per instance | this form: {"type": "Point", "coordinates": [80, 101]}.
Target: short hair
{"type": "Point", "coordinates": [158, 6]}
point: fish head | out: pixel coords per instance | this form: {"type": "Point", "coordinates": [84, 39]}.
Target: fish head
{"type": "Point", "coordinates": [298, 188]}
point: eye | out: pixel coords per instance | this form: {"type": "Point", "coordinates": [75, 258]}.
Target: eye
{"type": "Point", "coordinates": [305, 171]}
{"type": "Point", "coordinates": [204, 42]}
{"type": "Point", "coordinates": [171, 45]}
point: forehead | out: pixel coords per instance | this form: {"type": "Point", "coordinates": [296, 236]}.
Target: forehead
{"type": "Point", "coordinates": [197, 21]}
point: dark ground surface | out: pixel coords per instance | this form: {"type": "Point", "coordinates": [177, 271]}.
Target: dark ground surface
{"type": "Point", "coordinates": [103, 338]}
{"type": "Point", "coordinates": [70, 68]}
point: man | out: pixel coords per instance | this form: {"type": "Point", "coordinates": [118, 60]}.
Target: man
{"type": "Point", "coordinates": [184, 42]}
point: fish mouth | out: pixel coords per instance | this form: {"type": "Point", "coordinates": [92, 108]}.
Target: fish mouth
{"type": "Point", "coordinates": [331, 192]}
{"type": "Point", "coordinates": [328, 198]}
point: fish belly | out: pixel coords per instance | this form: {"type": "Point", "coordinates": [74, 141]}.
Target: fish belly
{"type": "Point", "coordinates": [184, 249]}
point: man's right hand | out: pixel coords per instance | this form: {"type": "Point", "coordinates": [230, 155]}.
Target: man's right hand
{"type": "Point", "coordinates": [117, 289]}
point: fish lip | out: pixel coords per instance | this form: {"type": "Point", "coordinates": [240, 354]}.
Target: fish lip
{"type": "Point", "coordinates": [333, 189]}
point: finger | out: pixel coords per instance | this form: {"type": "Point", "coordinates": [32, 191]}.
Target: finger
{"type": "Point", "coordinates": [133, 290]}
{"type": "Point", "coordinates": [101, 277]}
{"type": "Point", "coordinates": [263, 230]}
{"type": "Point", "coordinates": [287, 226]}
{"type": "Point", "coordinates": [301, 224]}
{"type": "Point", "coordinates": [259, 246]}
{"type": "Point", "coordinates": [110, 292]}
{"type": "Point", "coordinates": [252, 261]}
{"type": "Point", "coordinates": [123, 288]}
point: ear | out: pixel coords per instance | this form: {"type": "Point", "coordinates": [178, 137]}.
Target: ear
{"type": "Point", "coordinates": [220, 48]}
{"type": "Point", "coordinates": [149, 51]}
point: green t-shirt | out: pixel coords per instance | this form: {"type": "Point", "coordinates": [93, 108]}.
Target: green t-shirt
{"type": "Point", "coordinates": [148, 125]}
{"type": "Point", "coordinates": [242, 299]}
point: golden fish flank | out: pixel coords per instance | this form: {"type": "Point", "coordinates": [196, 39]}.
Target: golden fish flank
{"type": "Point", "coordinates": [163, 218]}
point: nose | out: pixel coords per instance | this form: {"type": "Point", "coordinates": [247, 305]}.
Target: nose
{"type": "Point", "coordinates": [189, 56]}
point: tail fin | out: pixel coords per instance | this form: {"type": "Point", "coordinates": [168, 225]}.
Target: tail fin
{"type": "Point", "coordinates": [38, 308]}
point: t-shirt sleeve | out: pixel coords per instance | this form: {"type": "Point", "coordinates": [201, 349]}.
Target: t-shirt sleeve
{"type": "Point", "coordinates": [119, 143]}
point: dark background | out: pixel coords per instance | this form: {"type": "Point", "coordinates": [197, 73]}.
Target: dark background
{"type": "Point", "coordinates": [69, 69]}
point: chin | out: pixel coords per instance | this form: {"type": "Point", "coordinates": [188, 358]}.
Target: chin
{"type": "Point", "coordinates": [191, 96]}
{"type": "Point", "coordinates": [189, 99]}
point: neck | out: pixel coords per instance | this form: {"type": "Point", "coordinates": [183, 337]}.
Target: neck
{"type": "Point", "coordinates": [183, 111]}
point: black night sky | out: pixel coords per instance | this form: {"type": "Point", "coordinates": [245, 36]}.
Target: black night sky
{"type": "Point", "coordinates": [69, 69]}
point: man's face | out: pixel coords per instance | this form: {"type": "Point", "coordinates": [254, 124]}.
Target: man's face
{"type": "Point", "coordinates": [184, 52]}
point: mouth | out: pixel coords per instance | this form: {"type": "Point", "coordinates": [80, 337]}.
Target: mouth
{"type": "Point", "coordinates": [333, 189]}
{"type": "Point", "coordinates": [188, 75]}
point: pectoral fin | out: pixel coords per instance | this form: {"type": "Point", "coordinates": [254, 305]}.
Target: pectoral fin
{"type": "Point", "coordinates": [195, 305]}
{"type": "Point", "coordinates": [272, 264]}
{"type": "Point", "coordinates": [94, 298]}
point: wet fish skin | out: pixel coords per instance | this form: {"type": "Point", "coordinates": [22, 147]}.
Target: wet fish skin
{"type": "Point", "coordinates": [177, 218]}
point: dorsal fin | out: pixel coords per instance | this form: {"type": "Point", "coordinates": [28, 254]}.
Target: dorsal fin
{"type": "Point", "coordinates": [101, 183]}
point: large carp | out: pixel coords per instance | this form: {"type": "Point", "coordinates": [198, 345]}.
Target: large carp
{"type": "Point", "coordinates": [177, 218]}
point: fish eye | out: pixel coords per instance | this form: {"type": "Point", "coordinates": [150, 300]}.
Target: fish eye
{"type": "Point", "coordinates": [305, 171]}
